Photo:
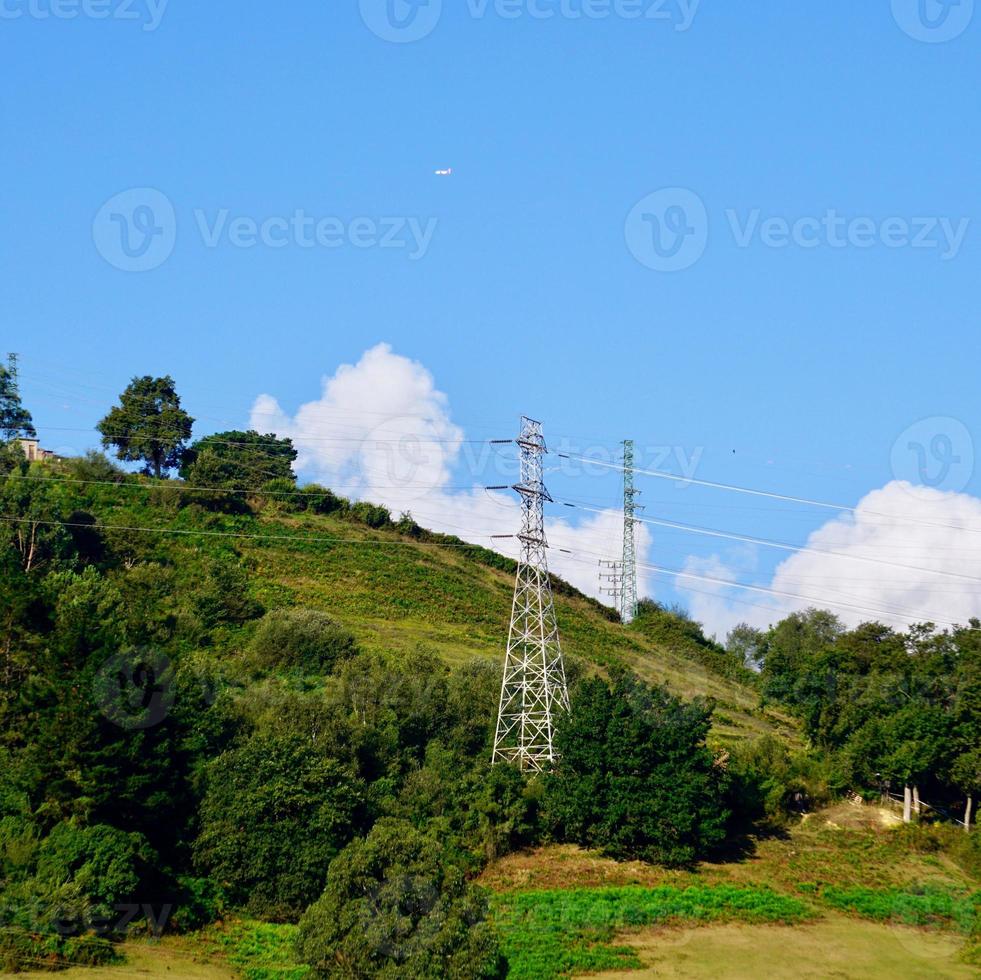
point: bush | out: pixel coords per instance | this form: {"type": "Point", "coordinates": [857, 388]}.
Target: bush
{"type": "Point", "coordinates": [95, 467]}
{"type": "Point", "coordinates": [321, 500]}
{"type": "Point", "coordinates": [395, 907]}
{"type": "Point", "coordinates": [22, 950]}
{"type": "Point", "coordinates": [374, 516]}
{"type": "Point", "coordinates": [303, 639]}
{"type": "Point", "coordinates": [280, 494]}
{"type": "Point", "coordinates": [770, 783]}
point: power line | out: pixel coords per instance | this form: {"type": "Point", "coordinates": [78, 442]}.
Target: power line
{"type": "Point", "coordinates": [300, 539]}
{"type": "Point", "coordinates": [361, 542]}
{"type": "Point", "coordinates": [799, 549]}
{"type": "Point", "coordinates": [658, 474]}
{"type": "Point", "coordinates": [789, 595]}
{"type": "Point", "coordinates": [187, 488]}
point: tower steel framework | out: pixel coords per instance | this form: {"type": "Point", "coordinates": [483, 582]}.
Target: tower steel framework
{"type": "Point", "coordinates": [628, 584]}
{"type": "Point", "coordinates": [533, 691]}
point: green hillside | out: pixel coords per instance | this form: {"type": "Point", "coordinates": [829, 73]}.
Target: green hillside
{"type": "Point", "coordinates": [399, 587]}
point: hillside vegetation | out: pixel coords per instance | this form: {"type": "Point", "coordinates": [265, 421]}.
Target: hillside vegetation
{"type": "Point", "coordinates": [263, 714]}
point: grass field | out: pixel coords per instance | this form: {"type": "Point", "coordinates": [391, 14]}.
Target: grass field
{"type": "Point", "coordinates": [840, 895]}
{"type": "Point", "coordinates": [833, 947]}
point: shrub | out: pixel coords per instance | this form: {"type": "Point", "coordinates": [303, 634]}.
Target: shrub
{"type": "Point", "coordinates": [371, 514]}
{"type": "Point", "coordinates": [321, 500]}
{"type": "Point", "coordinates": [280, 494]}
{"type": "Point", "coordinates": [395, 907]}
{"type": "Point", "coordinates": [303, 639]}
{"type": "Point", "coordinates": [768, 782]}
{"type": "Point", "coordinates": [23, 950]}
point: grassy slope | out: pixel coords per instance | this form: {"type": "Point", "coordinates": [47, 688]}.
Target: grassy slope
{"type": "Point", "coordinates": [405, 593]}
{"type": "Point", "coordinates": [396, 597]}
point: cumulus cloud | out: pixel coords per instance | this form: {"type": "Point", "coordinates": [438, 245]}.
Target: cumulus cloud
{"type": "Point", "coordinates": [886, 556]}
{"type": "Point", "coordinates": [382, 431]}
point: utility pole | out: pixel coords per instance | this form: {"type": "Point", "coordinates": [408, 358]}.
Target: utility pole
{"type": "Point", "coordinates": [628, 593]}
{"type": "Point", "coordinates": [534, 689]}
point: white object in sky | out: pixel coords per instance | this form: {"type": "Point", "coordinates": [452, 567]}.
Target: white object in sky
{"type": "Point", "coordinates": [445, 173]}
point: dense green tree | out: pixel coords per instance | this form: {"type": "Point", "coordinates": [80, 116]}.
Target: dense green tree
{"type": "Point", "coordinates": [15, 420]}
{"type": "Point", "coordinates": [148, 425]}
{"type": "Point", "coordinates": [635, 776]}
{"type": "Point", "coordinates": [275, 814]}
{"type": "Point", "coordinates": [789, 646]}
{"type": "Point", "coordinates": [238, 460]}
{"type": "Point", "coordinates": [394, 906]}
{"type": "Point", "coordinates": [39, 530]}
{"type": "Point", "coordinates": [105, 863]}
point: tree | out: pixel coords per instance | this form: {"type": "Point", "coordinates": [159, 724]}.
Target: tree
{"type": "Point", "coordinates": [394, 906]}
{"type": "Point", "coordinates": [789, 646]}
{"type": "Point", "coordinates": [275, 814]}
{"type": "Point", "coordinates": [15, 420]}
{"type": "Point", "coordinates": [148, 425]}
{"type": "Point", "coordinates": [244, 460]}
{"type": "Point", "coordinates": [748, 645]}
{"type": "Point", "coordinates": [635, 776]}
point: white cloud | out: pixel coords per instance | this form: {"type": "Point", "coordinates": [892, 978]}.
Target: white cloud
{"type": "Point", "coordinates": [898, 525]}
{"type": "Point", "coordinates": [381, 431]}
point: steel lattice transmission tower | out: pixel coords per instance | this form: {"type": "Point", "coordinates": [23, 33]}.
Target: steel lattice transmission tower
{"type": "Point", "coordinates": [628, 585]}
{"type": "Point", "coordinates": [534, 689]}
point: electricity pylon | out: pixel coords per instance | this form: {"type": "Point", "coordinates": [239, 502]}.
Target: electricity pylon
{"type": "Point", "coordinates": [628, 586]}
{"type": "Point", "coordinates": [534, 689]}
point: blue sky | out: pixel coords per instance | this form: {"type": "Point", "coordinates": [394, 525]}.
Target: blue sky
{"type": "Point", "coordinates": [791, 368]}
